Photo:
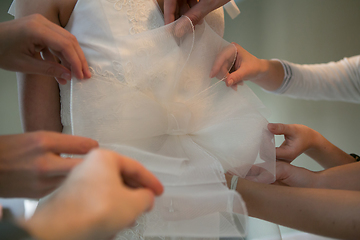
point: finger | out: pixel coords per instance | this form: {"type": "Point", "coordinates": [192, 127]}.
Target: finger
{"type": "Point", "coordinates": [63, 46]}
{"type": "Point", "coordinates": [224, 62]}
{"type": "Point", "coordinates": [133, 171]}
{"type": "Point", "coordinates": [169, 11]}
{"type": "Point", "coordinates": [32, 65]}
{"type": "Point", "coordinates": [61, 81]}
{"type": "Point", "coordinates": [63, 143]}
{"type": "Point", "coordinates": [142, 200]}
{"type": "Point", "coordinates": [47, 55]}
{"type": "Point", "coordinates": [235, 77]}
{"type": "Point", "coordinates": [279, 128]}
{"type": "Point", "coordinates": [283, 153]}
{"type": "Point", "coordinates": [69, 62]}
{"type": "Point", "coordinates": [57, 166]}
{"type": "Point", "coordinates": [49, 184]}
{"type": "Point", "coordinates": [198, 12]}
{"type": "Point", "coordinates": [62, 41]}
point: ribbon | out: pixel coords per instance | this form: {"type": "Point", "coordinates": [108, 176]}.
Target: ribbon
{"type": "Point", "coordinates": [157, 104]}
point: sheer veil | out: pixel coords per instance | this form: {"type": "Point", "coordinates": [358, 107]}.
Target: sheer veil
{"type": "Point", "coordinates": [162, 108]}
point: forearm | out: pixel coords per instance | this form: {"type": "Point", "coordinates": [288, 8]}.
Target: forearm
{"type": "Point", "coordinates": [326, 153]}
{"type": "Point", "coordinates": [39, 95]}
{"type": "Point", "coordinates": [332, 213]}
{"type": "Point", "coordinates": [39, 103]}
{"type": "Point", "coordinates": [345, 177]}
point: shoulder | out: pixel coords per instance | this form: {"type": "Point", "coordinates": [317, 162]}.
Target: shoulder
{"type": "Point", "coordinates": [57, 11]}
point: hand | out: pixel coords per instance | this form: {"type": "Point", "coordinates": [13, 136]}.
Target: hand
{"type": "Point", "coordinates": [104, 194]}
{"type": "Point", "coordinates": [298, 139]}
{"type": "Point", "coordinates": [289, 175]}
{"type": "Point", "coordinates": [259, 174]}
{"type": "Point", "coordinates": [196, 11]}
{"type": "Point", "coordinates": [267, 74]}
{"type": "Point", "coordinates": [22, 39]}
{"type": "Point", "coordinates": [30, 164]}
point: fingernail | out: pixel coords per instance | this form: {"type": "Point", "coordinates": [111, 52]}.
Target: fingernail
{"type": "Point", "coordinates": [230, 82]}
{"type": "Point", "coordinates": [61, 81]}
{"type": "Point", "coordinates": [211, 74]}
{"type": "Point", "coordinates": [88, 73]}
{"type": "Point", "coordinates": [66, 76]}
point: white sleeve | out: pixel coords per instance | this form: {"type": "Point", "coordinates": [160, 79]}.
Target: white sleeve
{"type": "Point", "coordinates": [339, 81]}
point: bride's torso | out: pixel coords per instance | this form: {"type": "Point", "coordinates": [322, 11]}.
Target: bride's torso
{"type": "Point", "coordinates": [98, 25]}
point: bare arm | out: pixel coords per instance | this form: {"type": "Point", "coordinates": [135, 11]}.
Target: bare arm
{"type": "Point", "coordinates": [327, 212]}
{"type": "Point", "coordinates": [39, 95]}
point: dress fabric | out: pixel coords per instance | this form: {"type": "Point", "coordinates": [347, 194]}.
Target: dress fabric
{"type": "Point", "coordinates": [150, 97]}
{"type": "Point", "coordinates": [338, 81]}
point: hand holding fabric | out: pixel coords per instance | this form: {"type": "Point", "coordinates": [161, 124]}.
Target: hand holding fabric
{"type": "Point", "coordinates": [104, 194]}
{"type": "Point", "coordinates": [302, 139]}
{"type": "Point", "coordinates": [22, 39]}
{"type": "Point", "coordinates": [30, 164]}
{"type": "Point", "coordinates": [298, 139]}
{"type": "Point", "coordinates": [267, 74]}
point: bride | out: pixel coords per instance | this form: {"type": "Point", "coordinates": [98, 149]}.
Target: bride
{"type": "Point", "coordinates": [150, 97]}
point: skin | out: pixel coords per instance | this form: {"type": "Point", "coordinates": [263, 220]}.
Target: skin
{"type": "Point", "coordinates": [30, 164]}
{"type": "Point", "coordinates": [324, 203]}
{"type": "Point", "coordinates": [196, 11]}
{"type": "Point", "coordinates": [39, 96]}
{"type": "Point", "coordinates": [341, 170]}
{"type": "Point", "coordinates": [268, 74]}
{"type": "Point", "coordinates": [23, 39]}
{"type": "Point", "coordinates": [302, 139]}
{"type": "Point", "coordinates": [326, 212]}
{"type": "Point", "coordinates": [106, 191]}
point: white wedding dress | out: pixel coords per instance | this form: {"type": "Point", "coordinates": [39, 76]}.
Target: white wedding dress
{"type": "Point", "coordinates": [151, 98]}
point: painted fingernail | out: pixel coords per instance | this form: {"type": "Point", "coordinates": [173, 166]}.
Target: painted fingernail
{"type": "Point", "coordinates": [66, 76]}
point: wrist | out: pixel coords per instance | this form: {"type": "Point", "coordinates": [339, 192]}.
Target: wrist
{"type": "Point", "coordinates": [271, 74]}
{"type": "Point", "coordinates": [316, 143]}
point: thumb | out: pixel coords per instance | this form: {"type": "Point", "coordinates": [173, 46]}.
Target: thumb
{"type": "Point", "coordinates": [279, 128]}
{"type": "Point", "coordinates": [142, 200]}
{"type": "Point", "coordinates": [284, 154]}
{"type": "Point", "coordinates": [44, 67]}
{"type": "Point", "coordinates": [235, 77]}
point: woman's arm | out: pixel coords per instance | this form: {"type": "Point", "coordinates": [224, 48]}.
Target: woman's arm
{"type": "Point", "coordinates": [344, 177]}
{"type": "Point", "coordinates": [327, 212]}
{"type": "Point", "coordinates": [39, 95]}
